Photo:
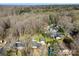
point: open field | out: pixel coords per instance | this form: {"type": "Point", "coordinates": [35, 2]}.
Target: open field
{"type": "Point", "coordinates": [44, 30]}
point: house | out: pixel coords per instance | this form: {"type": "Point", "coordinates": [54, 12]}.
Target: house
{"type": "Point", "coordinates": [18, 45]}
{"type": "Point", "coordinates": [38, 48]}
{"type": "Point", "coordinates": [35, 48]}
{"type": "Point", "coordinates": [35, 44]}
{"type": "Point", "coordinates": [54, 34]}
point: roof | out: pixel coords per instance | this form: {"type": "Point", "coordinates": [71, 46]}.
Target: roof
{"type": "Point", "coordinates": [18, 45]}
{"type": "Point", "coordinates": [55, 34]}
{"type": "Point", "coordinates": [35, 44]}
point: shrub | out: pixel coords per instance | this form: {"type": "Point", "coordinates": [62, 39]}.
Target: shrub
{"type": "Point", "coordinates": [65, 22]}
{"type": "Point", "coordinates": [52, 19]}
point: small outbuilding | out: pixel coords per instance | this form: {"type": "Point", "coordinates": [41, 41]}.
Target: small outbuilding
{"type": "Point", "coordinates": [18, 45]}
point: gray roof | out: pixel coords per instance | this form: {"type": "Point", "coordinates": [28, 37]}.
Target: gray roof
{"type": "Point", "coordinates": [38, 45]}
{"type": "Point", "coordinates": [18, 44]}
{"type": "Point", "coordinates": [34, 43]}
{"type": "Point", "coordinates": [55, 34]}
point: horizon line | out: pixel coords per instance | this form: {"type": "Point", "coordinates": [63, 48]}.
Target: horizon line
{"type": "Point", "coordinates": [38, 4]}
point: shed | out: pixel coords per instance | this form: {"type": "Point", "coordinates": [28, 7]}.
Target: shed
{"type": "Point", "coordinates": [18, 45]}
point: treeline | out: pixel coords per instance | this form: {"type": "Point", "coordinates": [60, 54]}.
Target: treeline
{"type": "Point", "coordinates": [11, 10]}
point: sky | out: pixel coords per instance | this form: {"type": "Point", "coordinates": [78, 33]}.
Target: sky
{"type": "Point", "coordinates": [37, 2]}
